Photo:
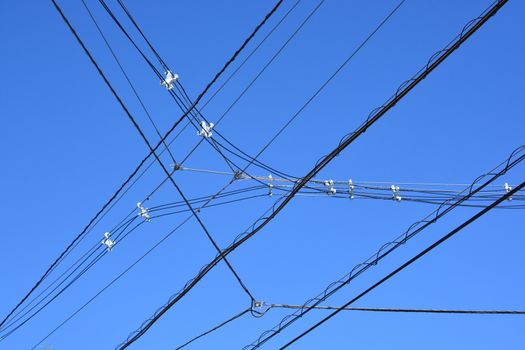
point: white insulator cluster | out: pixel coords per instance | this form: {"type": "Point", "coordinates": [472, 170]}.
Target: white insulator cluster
{"type": "Point", "coordinates": [330, 185]}
{"type": "Point", "coordinates": [270, 185]}
{"type": "Point", "coordinates": [395, 193]}
{"type": "Point", "coordinates": [108, 242]}
{"type": "Point", "coordinates": [507, 188]}
{"type": "Point", "coordinates": [205, 130]}
{"type": "Point", "coordinates": [143, 212]}
{"type": "Point", "coordinates": [351, 188]}
{"type": "Point", "coordinates": [169, 80]}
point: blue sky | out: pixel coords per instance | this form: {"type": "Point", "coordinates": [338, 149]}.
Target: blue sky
{"type": "Point", "coordinates": [68, 146]}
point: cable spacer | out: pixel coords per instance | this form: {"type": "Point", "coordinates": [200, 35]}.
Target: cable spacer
{"type": "Point", "coordinates": [109, 243]}
{"type": "Point", "coordinates": [395, 193]}
{"type": "Point", "coordinates": [351, 188]}
{"type": "Point", "coordinates": [205, 130]}
{"type": "Point", "coordinates": [330, 184]}
{"type": "Point", "coordinates": [169, 80]}
{"type": "Point", "coordinates": [144, 212]}
{"type": "Point", "coordinates": [270, 185]}
{"type": "Point", "coordinates": [508, 188]}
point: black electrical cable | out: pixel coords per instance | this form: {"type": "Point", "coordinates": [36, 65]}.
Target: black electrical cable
{"type": "Point", "coordinates": [409, 262]}
{"type": "Point", "coordinates": [434, 62]}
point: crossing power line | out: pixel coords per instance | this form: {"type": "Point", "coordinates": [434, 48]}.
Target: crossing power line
{"type": "Point", "coordinates": [375, 115]}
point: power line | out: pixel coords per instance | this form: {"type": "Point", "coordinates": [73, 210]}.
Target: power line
{"type": "Point", "coordinates": [409, 262]}
{"type": "Point", "coordinates": [375, 115]}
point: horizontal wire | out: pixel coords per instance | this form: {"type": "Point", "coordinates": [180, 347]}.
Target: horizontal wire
{"type": "Point", "coordinates": [400, 310]}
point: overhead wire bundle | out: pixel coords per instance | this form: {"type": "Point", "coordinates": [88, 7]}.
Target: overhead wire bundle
{"type": "Point", "coordinates": [375, 115]}
{"type": "Point", "coordinates": [280, 186]}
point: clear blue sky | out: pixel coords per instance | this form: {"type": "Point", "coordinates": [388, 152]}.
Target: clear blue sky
{"type": "Point", "coordinates": [67, 145]}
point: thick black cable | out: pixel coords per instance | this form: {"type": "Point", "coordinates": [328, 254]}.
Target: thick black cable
{"type": "Point", "coordinates": [434, 62]}
{"type": "Point", "coordinates": [409, 262]}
